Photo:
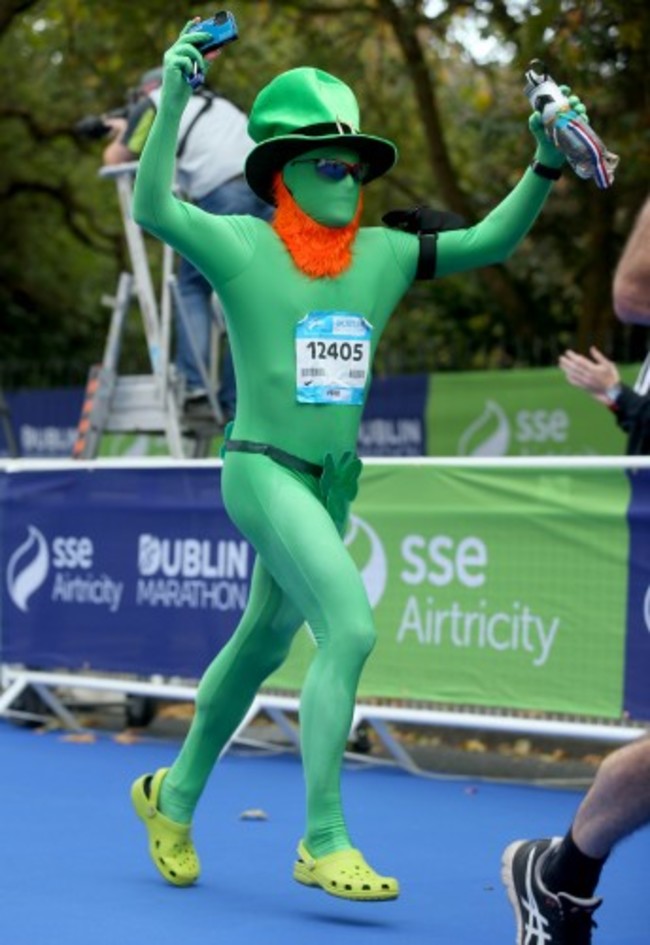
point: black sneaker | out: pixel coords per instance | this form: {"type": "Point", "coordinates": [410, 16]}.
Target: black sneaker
{"type": "Point", "coordinates": [543, 917]}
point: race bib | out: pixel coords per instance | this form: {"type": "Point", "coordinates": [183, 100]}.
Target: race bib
{"type": "Point", "coordinates": [332, 358]}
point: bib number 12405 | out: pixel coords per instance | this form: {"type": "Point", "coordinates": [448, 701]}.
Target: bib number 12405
{"type": "Point", "coordinates": [332, 358]}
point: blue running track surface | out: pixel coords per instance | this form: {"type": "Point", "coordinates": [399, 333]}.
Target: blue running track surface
{"type": "Point", "coordinates": [75, 868]}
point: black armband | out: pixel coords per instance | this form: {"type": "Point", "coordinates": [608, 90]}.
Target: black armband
{"type": "Point", "coordinates": [543, 170]}
{"type": "Point", "coordinates": [425, 223]}
{"type": "Point", "coordinates": [428, 256]}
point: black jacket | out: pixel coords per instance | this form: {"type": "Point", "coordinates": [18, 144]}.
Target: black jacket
{"type": "Point", "coordinates": [632, 412]}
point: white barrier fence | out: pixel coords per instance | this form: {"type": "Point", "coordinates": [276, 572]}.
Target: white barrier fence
{"type": "Point", "coordinates": [56, 688]}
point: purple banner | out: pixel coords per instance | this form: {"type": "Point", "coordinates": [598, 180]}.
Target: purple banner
{"type": "Point", "coordinates": [637, 649]}
{"type": "Point", "coordinates": [44, 422]}
{"type": "Point", "coordinates": [394, 417]}
{"type": "Point", "coordinates": [132, 571]}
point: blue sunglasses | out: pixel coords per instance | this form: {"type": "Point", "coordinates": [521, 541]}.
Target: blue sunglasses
{"type": "Point", "coordinates": [334, 169]}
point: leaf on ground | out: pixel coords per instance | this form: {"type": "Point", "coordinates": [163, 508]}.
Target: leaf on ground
{"type": "Point", "coordinates": [253, 813]}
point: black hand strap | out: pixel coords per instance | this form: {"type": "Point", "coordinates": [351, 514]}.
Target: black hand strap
{"type": "Point", "coordinates": [543, 170]}
{"type": "Point", "coordinates": [208, 99]}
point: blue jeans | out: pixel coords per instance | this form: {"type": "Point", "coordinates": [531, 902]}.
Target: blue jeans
{"type": "Point", "coordinates": [233, 197]}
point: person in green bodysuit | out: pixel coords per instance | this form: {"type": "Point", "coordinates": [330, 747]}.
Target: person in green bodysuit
{"type": "Point", "coordinates": [306, 299]}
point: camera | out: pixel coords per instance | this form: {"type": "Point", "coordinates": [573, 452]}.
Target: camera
{"type": "Point", "coordinates": [94, 127]}
{"type": "Point", "coordinates": [222, 28]}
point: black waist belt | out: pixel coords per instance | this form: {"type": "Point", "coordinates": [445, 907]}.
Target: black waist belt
{"type": "Point", "coordinates": [277, 455]}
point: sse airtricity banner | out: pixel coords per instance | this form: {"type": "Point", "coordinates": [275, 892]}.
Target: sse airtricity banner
{"type": "Point", "coordinates": [518, 413]}
{"type": "Point", "coordinates": [514, 586]}
{"type": "Point", "coordinates": [493, 587]}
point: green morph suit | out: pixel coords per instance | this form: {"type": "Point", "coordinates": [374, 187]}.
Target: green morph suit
{"type": "Point", "coordinates": [303, 571]}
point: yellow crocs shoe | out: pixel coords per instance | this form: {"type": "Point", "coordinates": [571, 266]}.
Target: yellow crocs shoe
{"type": "Point", "coordinates": [170, 844]}
{"type": "Point", "coordinates": [344, 874]}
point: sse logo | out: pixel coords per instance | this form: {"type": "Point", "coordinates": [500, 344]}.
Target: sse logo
{"type": "Point", "coordinates": [492, 433]}
{"type": "Point", "coordinates": [374, 570]}
{"type": "Point", "coordinates": [29, 565]}
{"type": "Point", "coordinates": [28, 568]}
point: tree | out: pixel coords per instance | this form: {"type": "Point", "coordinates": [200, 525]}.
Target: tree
{"type": "Point", "coordinates": [457, 114]}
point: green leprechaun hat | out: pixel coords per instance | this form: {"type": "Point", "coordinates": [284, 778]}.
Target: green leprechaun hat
{"type": "Point", "coordinates": [303, 109]}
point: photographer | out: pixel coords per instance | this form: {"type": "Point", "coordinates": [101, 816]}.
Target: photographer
{"type": "Point", "coordinates": [212, 145]}
{"type": "Point", "coordinates": [119, 121]}
{"type": "Point", "coordinates": [113, 124]}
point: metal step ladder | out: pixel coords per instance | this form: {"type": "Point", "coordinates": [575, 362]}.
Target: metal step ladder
{"type": "Point", "coordinates": [7, 428]}
{"type": "Point", "coordinates": [151, 403]}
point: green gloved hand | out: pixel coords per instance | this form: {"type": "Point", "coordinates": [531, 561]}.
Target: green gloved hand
{"type": "Point", "coordinates": [181, 61]}
{"type": "Point", "coordinates": [339, 485]}
{"type": "Point", "coordinates": [546, 152]}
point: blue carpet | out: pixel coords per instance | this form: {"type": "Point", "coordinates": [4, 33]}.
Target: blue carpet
{"type": "Point", "coordinates": [76, 870]}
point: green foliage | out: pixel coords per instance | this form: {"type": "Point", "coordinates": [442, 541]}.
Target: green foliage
{"type": "Point", "coordinates": [460, 122]}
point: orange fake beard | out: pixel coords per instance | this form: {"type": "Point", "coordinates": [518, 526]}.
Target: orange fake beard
{"type": "Point", "coordinates": [317, 250]}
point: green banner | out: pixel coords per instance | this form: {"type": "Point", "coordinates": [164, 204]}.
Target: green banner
{"type": "Point", "coordinates": [532, 412]}
{"type": "Point", "coordinates": [491, 587]}
{"type": "Point", "coordinates": [146, 444]}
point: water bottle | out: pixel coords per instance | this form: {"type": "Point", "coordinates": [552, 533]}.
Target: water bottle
{"type": "Point", "coordinates": [568, 130]}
